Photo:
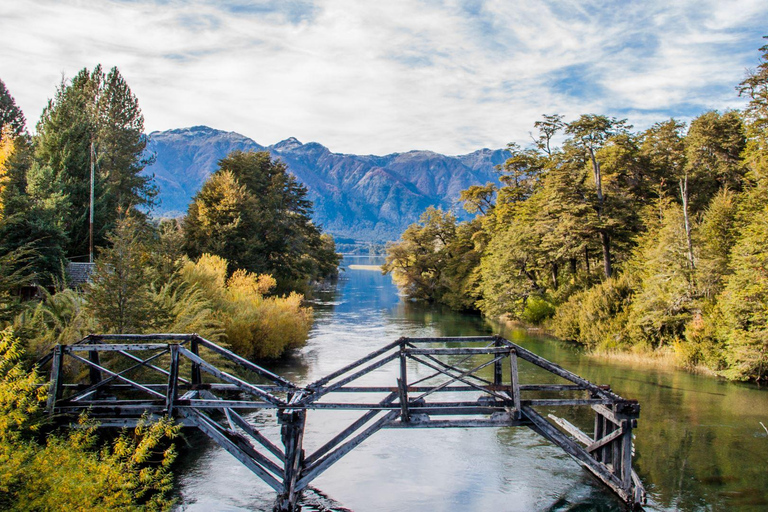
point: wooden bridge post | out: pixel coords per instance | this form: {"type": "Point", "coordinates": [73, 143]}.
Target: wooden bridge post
{"type": "Point", "coordinates": [196, 377]}
{"type": "Point", "coordinates": [497, 366]}
{"type": "Point", "coordinates": [292, 433]}
{"type": "Point", "coordinates": [515, 378]}
{"type": "Point", "coordinates": [173, 380]}
{"type": "Point", "coordinates": [402, 386]}
{"type": "Point", "coordinates": [93, 372]}
{"type": "Point", "coordinates": [54, 393]}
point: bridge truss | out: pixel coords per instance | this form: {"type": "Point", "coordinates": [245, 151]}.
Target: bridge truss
{"type": "Point", "coordinates": [459, 382]}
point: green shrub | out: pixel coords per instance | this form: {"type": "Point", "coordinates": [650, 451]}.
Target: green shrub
{"type": "Point", "coordinates": [537, 309]}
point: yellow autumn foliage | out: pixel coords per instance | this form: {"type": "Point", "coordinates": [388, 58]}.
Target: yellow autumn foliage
{"type": "Point", "coordinates": [256, 325]}
{"type": "Point", "coordinates": [71, 471]}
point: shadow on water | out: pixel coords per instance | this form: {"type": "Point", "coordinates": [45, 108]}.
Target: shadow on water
{"type": "Point", "coordinates": [699, 444]}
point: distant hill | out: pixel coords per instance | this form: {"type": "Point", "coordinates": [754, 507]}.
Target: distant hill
{"type": "Point", "coordinates": [364, 197]}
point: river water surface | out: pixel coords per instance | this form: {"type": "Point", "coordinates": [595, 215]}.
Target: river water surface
{"type": "Point", "coordinates": [700, 444]}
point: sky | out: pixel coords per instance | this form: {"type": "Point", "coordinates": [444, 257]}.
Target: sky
{"type": "Point", "coordinates": [376, 77]}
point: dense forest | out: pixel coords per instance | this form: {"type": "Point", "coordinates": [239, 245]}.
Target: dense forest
{"type": "Point", "coordinates": [652, 242]}
{"type": "Point", "coordinates": [233, 270]}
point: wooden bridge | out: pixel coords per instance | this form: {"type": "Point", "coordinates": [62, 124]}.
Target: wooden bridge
{"type": "Point", "coordinates": [463, 382]}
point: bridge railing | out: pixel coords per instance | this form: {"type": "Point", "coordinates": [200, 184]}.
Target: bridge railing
{"type": "Point", "coordinates": [459, 382]}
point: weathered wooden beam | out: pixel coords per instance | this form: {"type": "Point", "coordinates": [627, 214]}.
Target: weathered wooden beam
{"type": "Point", "coordinates": [131, 337]}
{"type": "Point", "coordinates": [459, 351]}
{"type": "Point", "coordinates": [324, 463]}
{"type": "Point", "coordinates": [115, 347]}
{"type": "Point", "coordinates": [448, 371]}
{"type": "Point", "coordinates": [548, 431]}
{"type": "Point", "coordinates": [241, 361]}
{"type": "Point", "coordinates": [196, 376]}
{"type": "Point", "coordinates": [258, 436]}
{"type": "Point", "coordinates": [210, 428]}
{"type": "Point", "coordinates": [551, 367]}
{"type": "Point", "coordinates": [150, 366]}
{"type": "Point", "coordinates": [572, 429]}
{"type": "Point", "coordinates": [452, 339]}
{"type": "Point", "coordinates": [56, 378]}
{"type": "Point", "coordinates": [461, 376]}
{"type": "Point", "coordinates": [104, 382]}
{"type": "Point", "coordinates": [515, 378]}
{"type": "Point", "coordinates": [506, 421]}
{"type": "Point", "coordinates": [445, 366]}
{"type": "Point", "coordinates": [293, 423]}
{"type": "Point", "coordinates": [318, 392]}
{"type": "Point", "coordinates": [604, 440]}
{"type": "Point", "coordinates": [173, 383]}
{"type": "Point", "coordinates": [121, 377]}
{"type": "Point", "coordinates": [244, 386]}
{"type": "Point", "coordinates": [341, 436]}
{"type": "Point", "coordinates": [351, 366]}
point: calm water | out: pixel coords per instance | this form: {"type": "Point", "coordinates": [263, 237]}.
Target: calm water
{"type": "Point", "coordinates": [700, 445]}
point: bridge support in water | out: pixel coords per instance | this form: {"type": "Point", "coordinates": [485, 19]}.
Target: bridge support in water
{"type": "Point", "coordinates": [460, 382]}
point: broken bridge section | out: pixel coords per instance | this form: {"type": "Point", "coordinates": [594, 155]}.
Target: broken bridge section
{"type": "Point", "coordinates": [459, 382]}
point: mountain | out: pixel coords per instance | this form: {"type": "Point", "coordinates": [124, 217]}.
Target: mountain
{"type": "Point", "coordinates": [365, 197]}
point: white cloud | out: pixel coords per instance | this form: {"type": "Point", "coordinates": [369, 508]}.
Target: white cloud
{"type": "Point", "coordinates": [376, 77]}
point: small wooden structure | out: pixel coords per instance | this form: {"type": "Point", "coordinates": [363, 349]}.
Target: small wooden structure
{"type": "Point", "coordinates": [464, 382]}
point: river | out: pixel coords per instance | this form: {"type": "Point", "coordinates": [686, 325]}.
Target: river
{"type": "Point", "coordinates": [700, 444]}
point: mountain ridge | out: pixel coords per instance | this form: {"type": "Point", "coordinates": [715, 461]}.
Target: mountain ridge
{"type": "Point", "coordinates": [365, 197]}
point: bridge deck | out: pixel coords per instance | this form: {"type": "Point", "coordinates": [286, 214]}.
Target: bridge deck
{"type": "Point", "coordinates": [458, 382]}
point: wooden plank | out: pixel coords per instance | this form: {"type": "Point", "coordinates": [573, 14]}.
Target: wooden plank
{"type": "Point", "coordinates": [368, 369]}
{"type": "Point", "coordinates": [196, 375]}
{"type": "Point", "coordinates": [626, 455]}
{"type": "Point", "coordinates": [258, 436]}
{"type": "Point", "coordinates": [202, 403]}
{"type": "Point", "coordinates": [116, 347]}
{"type": "Point", "coordinates": [461, 377]}
{"type": "Point", "coordinates": [604, 440]}
{"type": "Point", "coordinates": [56, 378]}
{"type": "Point", "coordinates": [515, 376]}
{"type": "Point", "coordinates": [459, 351]}
{"type": "Point", "coordinates": [244, 386]}
{"type": "Point", "coordinates": [548, 431]}
{"type": "Point", "coordinates": [321, 465]}
{"type": "Point", "coordinates": [351, 366]}
{"type": "Point", "coordinates": [572, 429]}
{"type": "Point", "coordinates": [173, 383]}
{"type": "Point", "coordinates": [208, 426]}
{"type": "Point", "coordinates": [402, 385]}
{"type": "Point", "coordinates": [341, 436]}
{"type": "Point", "coordinates": [87, 392]}
{"type": "Point", "coordinates": [561, 402]}
{"type": "Point", "coordinates": [150, 366]}
{"type": "Point", "coordinates": [498, 368]}
{"type": "Point", "coordinates": [241, 361]}
{"type": "Point", "coordinates": [506, 421]}
{"type": "Point", "coordinates": [442, 370]}
{"type": "Point", "coordinates": [178, 337]}
{"type": "Point", "coordinates": [124, 379]}
{"type": "Point", "coordinates": [452, 339]}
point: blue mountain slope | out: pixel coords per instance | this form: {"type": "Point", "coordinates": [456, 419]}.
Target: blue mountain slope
{"type": "Point", "coordinates": [366, 197]}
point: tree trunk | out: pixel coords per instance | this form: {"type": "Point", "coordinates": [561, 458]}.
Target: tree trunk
{"type": "Point", "coordinates": [684, 197]}
{"type": "Point", "coordinates": [605, 241]}
{"type": "Point", "coordinates": [572, 263]}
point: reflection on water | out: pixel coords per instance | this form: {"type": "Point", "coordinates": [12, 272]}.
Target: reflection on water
{"type": "Point", "coordinates": [699, 443]}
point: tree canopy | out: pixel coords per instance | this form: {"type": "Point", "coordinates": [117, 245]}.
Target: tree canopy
{"type": "Point", "coordinates": [253, 212]}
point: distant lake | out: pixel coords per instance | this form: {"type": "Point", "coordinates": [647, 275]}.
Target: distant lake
{"type": "Point", "coordinates": [700, 445]}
